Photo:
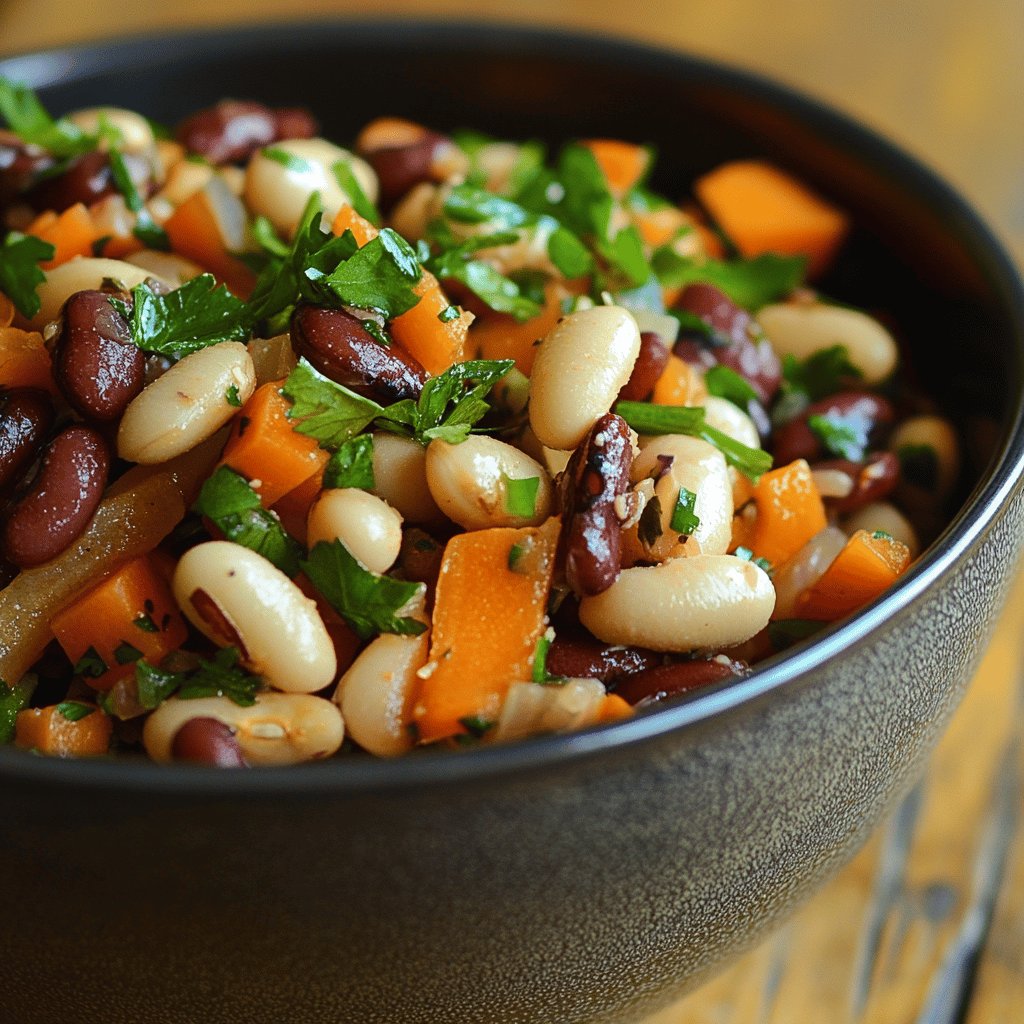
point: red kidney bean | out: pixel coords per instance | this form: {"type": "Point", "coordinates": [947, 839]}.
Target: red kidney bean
{"type": "Point", "coordinates": [400, 164]}
{"type": "Point", "coordinates": [864, 413]}
{"type": "Point", "coordinates": [338, 345]}
{"type": "Point", "coordinates": [736, 342]}
{"type": "Point", "coordinates": [95, 363]}
{"type": "Point", "coordinates": [26, 415]}
{"type": "Point", "coordinates": [208, 741]}
{"type": "Point", "coordinates": [86, 179]}
{"type": "Point", "coordinates": [667, 681]}
{"type": "Point", "coordinates": [20, 164]}
{"type": "Point", "coordinates": [653, 358]}
{"type": "Point", "coordinates": [61, 500]}
{"type": "Point", "coordinates": [873, 479]}
{"type": "Point", "coordinates": [580, 656]}
{"type": "Point", "coordinates": [596, 475]}
{"type": "Point", "coordinates": [232, 130]}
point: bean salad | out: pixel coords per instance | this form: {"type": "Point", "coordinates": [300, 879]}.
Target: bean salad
{"type": "Point", "coordinates": [439, 440]}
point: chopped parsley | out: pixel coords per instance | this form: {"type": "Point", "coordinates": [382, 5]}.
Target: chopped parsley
{"type": "Point", "coordinates": [684, 519]}
{"type": "Point", "coordinates": [476, 726]}
{"type": "Point", "coordinates": [448, 314]}
{"type": "Point", "coordinates": [145, 623]}
{"type": "Point", "coordinates": [750, 283]}
{"type": "Point", "coordinates": [369, 603]}
{"type": "Point", "coordinates": [821, 374]}
{"type": "Point", "coordinates": [232, 397]}
{"type": "Point", "coordinates": [27, 117]}
{"type": "Point", "coordinates": [540, 672]}
{"type": "Point", "coordinates": [220, 677]}
{"type": "Point", "coordinates": [349, 184]}
{"type": "Point", "coordinates": [90, 665]}
{"type": "Point", "coordinates": [146, 230]}
{"type": "Point", "coordinates": [844, 436]}
{"type": "Point", "coordinates": [235, 509]}
{"type": "Point", "coordinates": [325, 411]}
{"type": "Point", "coordinates": [351, 465]}
{"type": "Point", "coordinates": [521, 496]}
{"type": "Point", "coordinates": [287, 160]}
{"type": "Point", "coordinates": [725, 382]}
{"type": "Point", "coordinates": [126, 653]}
{"type": "Point", "coordinates": [74, 710]}
{"type": "Point", "coordinates": [381, 276]}
{"type": "Point", "coordinates": [20, 273]}
{"type": "Point", "coordinates": [748, 556]}
{"type": "Point", "coordinates": [515, 553]}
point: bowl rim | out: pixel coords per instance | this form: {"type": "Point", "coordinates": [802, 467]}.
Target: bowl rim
{"type": "Point", "coordinates": [341, 776]}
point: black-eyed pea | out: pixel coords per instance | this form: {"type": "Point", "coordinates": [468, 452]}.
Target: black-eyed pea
{"type": "Point", "coordinates": [710, 601]}
{"type": "Point", "coordinates": [367, 525]}
{"type": "Point", "coordinates": [580, 368]}
{"type": "Point", "coordinates": [376, 693]}
{"type": "Point", "coordinates": [804, 569]}
{"type": "Point", "coordinates": [238, 599]}
{"type": "Point", "coordinates": [279, 729]}
{"type": "Point", "coordinates": [81, 275]}
{"type": "Point", "coordinates": [802, 328]}
{"type": "Point", "coordinates": [483, 482]}
{"type": "Point", "coordinates": [186, 405]}
{"type": "Point", "coordinates": [400, 478]}
{"type": "Point", "coordinates": [677, 461]}
{"type": "Point", "coordinates": [280, 178]}
{"type": "Point", "coordinates": [929, 455]}
{"type": "Point", "coordinates": [882, 515]}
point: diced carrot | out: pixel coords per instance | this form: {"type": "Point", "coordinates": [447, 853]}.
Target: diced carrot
{"type": "Point", "coordinates": [131, 614]}
{"type": "Point", "coordinates": [24, 361]}
{"type": "Point", "coordinates": [50, 731]}
{"type": "Point", "coordinates": [679, 384]}
{"type": "Point", "coordinates": [867, 565]}
{"type": "Point", "coordinates": [500, 336]}
{"type": "Point", "coordinates": [623, 164]}
{"type": "Point", "coordinates": [348, 220]}
{"type": "Point", "coordinates": [763, 209]}
{"type": "Point", "coordinates": [613, 709]}
{"type": "Point", "coordinates": [264, 447]}
{"type": "Point", "coordinates": [293, 508]}
{"type": "Point", "coordinates": [789, 512]}
{"type": "Point", "coordinates": [420, 331]}
{"type": "Point", "coordinates": [72, 233]}
{"type": "Point", "coordinates": [488, 617]}
{"type": "Point", "coordinates": [209, 227]}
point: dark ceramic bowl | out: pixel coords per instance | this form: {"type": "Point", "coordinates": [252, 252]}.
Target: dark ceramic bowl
{"type": "Point", "coordinates": [569, 879]}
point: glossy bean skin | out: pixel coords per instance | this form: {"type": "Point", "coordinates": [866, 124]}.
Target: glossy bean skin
{"type": "Point", "coordinates": [61, 500]}
{"type": "Point", "coordinates": [576, 655]}
{"type": "Point", "coordinates": [95, 363]}
{"type": "Point", "coordinates": [232, 130]}
{"type": "Point", "coordinates": [873, 479]}
{"type": "Point", "coordinates": [865, 411]}
{"type": "Point", "coordinates": [597, 474]}
{"type": "Point", "coordinates": [736, 339]}
{"type": "Point", "coordinates": [87, 179]}
{"type": "Point", "coordinates": [26, 415]}
{"type": "Point", "coordinates": [666, 681]}
{"type": "Point", "coordinates": [650, 363]}
{"type": "Point", "coordinates": [86, 274]}
{"type": "Point", "coordinates": [20, 163]}
{"type": "Point", "coordinates": [368, 526]}
{"type": "Point", "coordinates": [402, 153]}
{"type": "Point", "coordinates": [208, 741]}
{"type": "Point", "coordinates": [337, 344]}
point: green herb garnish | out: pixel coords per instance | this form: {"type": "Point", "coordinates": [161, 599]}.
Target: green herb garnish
{"type": "Point", "coordinates": [351, 465]}
{"type": "Point", "coordinates": [684, 519]}
{"type": "Point", "coordinates": [20, 273]}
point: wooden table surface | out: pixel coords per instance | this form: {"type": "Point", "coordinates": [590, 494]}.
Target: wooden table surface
{"type": "Point", "coordinates": [926, 925]}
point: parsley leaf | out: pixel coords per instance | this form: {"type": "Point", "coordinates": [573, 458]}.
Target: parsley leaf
{"type": "Point", "coordinates": [20, 274]}
{"type": "Point", "coordinates": [198, 314]}
{"type": "Point", "coordinates": [821, 374]}
{"type": "Point", "coordinates": [12, 700]}
{"type": "Point", "coordinates": [90, 665]}
{"type": "Point", "coordinates": [844, 436]}
{"type": "Point", "coordinates": [540, 672]}
{"type": "Point", "coordinates": [489, 285]}
{"type": "Point", "coordinates": [476, 726]}
{"type": "Point", "coordinates": [380, 276]}
{"type": "Point", "coordinates": [684, 517]}
{"type": "Point", "coordinates": [221, 677]}
{"type": "Point", "coordinates": [126, 653]}
{"type": "Point", "coordinates": [725, 382]}
{"type": "Point", "coordinates": [349, 184]}
{"type": "Point", "coordinates": [326, 411]}
{"type": "Point", "coordinates": [27, 117]}
{"type": "Point", "coordinates": [367, 602]}
{"type": "Point", "coordinates": [750, 283]}
{"type": "Point", "coordinates": [521, 496]}
{"type": "Point", "coordinates": [234, 507]}
{"type": "Point", "coordinates": [74, 710]}
{"type": "Point", "coordinates": [146, 230]}
{"type": "Point", "coordinates": [351, 465]}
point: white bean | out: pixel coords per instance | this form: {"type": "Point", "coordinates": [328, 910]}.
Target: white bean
{"type": "Point", "coordinates": [84, 274]}
{"type": "Point", "coordinates": [238, 599]}
{"type": "Point", "coordinates": [580, 367]}
{"type": "Point", "coordinates": [801, 329]}
{"type": "Point", "coordinates": [168, 266]}
{"type": "Point", "coordinates": [701, 469]}
{"type": "Point", "coordinates": [367, 525]}
{"type": "Point", "coordinates": [400, 478]}
{"type": "Point", "coordinates": [687, 603]}
{"type": "Point", "coordinates": [279, 729]}
{"type": "Point", "coordinates": [731, 420]}
{"type": "Point", "coordinates": [470, 483]}
{"type": "Point", "coordinates": [280, 189]}
{"type": "Point", "coordinates": [184, 179]}
{"type": "Point", "coordinates": [186, 405]}
{"type": "Point", "coordinates": [935, 433]}
{"type": "Point", "coordinates": [136, 135]}
{"type": "Point", "coordinates": [415, 210]}
{"type": "Point", "coordinates": [881, 515]}
{"type": "Point", "coordinates": [376, 693]}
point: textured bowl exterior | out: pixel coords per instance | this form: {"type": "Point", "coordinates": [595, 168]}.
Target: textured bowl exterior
{"type": "Point", "coordinates": [568, 880]}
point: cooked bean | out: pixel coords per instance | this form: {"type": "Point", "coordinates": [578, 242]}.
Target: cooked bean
{"type": "Point", "coordinates": [667, 681]}
{"type": "Point", "coordinates": [736, 339]}
{"type": "Point", "coordinates": [580, 367]}
{"type": "Point", "coordinates": [167, 266]}
{"type": "Point", "coordinates": [95, 363]}
{"type": "Point", "coordinates": [238, 599]}
{"type": "Point", "coordinates": [731, 420]}
{"type": "Point", "coordinates": [415, 210]}
{"type": "Point", "coordinates": [470, 482]}
{"type": "Point", "coordinates": [26, 415]}
{"type": "Point", "coordinates": [367, 525]}
{"type": "Point", "coordinates": [802, 328]}
{"type": "Point", "coordinates": [185, 406]}
{"type": "Point", "coordinates": [229, 131]}
{"type": "Point", "coordinates": [61, 499]}
{"type": "Point", "coordinates": [863, 413]}
{"type": "Point", "coordinates": [687, 603]}
{"type": "Point", "coordinates": [400, 478]}
{"type": "Point", "coordinates": [208, 741]}
{"type": "Point", "coordinates": [591, 538]}
{"type": "Point", "coordinates": [338, 345]}
{"type": "Point", "coordinates": [135, 134]}
{"type": "Point", "coordinates": [280, 190]}
{"type": "Point", "coordinates": [20, 163]}
{"type": "Point", "coordinates": [805, 568]}
{"type": "Point", "coordinates": [294, 123]}
{"type": "Point", "coordinates": [86, 179]}
{"type": "Point", "coordinates": [929, 454]}
{"type": "Point", "coordinates": [81, 275]}
{"type": "Point", "coordinates": [882, 515]}
{"type": "Point", "coordinates": [279, 729]}
{"type": "Point", "coordinates": [870, 480]}
{"type": "Point", "coordinates": [375, 694]}
{"type": "Point", "coordinates": [580, 656]}
{"type": "Point", "coordinates": [677, 461]}
{"type": "Point", "coordinates": [403, 154]}
{"type": "Point", "coordinates": [652, 359]}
